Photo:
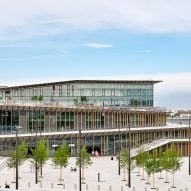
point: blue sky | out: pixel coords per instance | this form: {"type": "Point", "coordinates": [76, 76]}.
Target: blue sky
{"type": "Point", "coordinates": [80, 39]}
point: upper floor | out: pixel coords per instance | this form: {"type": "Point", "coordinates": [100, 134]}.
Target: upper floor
{"type": "Point", "coordinates": [83, 92]}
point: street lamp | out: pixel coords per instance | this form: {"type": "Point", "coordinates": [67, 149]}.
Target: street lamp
{"type": "Point", "coordinates": [80, 161]}
{"type": "Point", "coordinates": [119, 168]}
{"type": "Point", "coordinates": [36, 162]}
{"type": "Point", "coordinates": [129, 160]}
{"type": "Point", "coordinates": [17, 160]}
{"type": "Point", "coordinates": [189, 147]}
{"type": "Point", "coordinates": [79, 145]}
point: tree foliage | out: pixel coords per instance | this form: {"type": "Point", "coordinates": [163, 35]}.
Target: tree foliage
{"type": "Point", "coordinates": [61, 156]}
{"type": "Point", "coordinates": [41, 153]}
{"type": "Point", "coordinates": [85, 158]}
{"type": "Point", "coordinates": [22, 153]}
{"type": "Point", "coordinates": [124, 159]}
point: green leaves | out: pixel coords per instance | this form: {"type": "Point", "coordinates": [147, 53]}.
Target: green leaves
{"type": "Point", "coordinates": [171, 160]}
{"type": "Point", "coordinates": [22, 153]}
{"type": "Point", "coordinates": [40, 153]}
{"type": "Point", "coordinates": [141, 158]}
{"type": "Point", "coordinates": [85, 158]}
{"type": "Point", "coordinates": [124, 159]}
{"type": "Point", "coordinates": [61, 156]}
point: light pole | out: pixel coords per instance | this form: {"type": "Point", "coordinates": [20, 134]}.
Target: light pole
{"type": "Point", "coordinates": [189, 146]}
{"type": "Point", "coordinates": [119, 165]}
{"type": "Point", "coordinates": [17, 160]}
{"type": "Point", "coordinates": [129, 169]}
{"type": "Point", "coordinates": [80, 154]}
{"type": "Point", "coordinates": [36, 162]}
{"type": "Point", "coordinates": [80, 161]}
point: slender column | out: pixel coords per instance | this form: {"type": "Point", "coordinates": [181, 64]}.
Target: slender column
{"type": "Point", "coordinates": [17, 183]}
{"type": "Point", "coordinates": [189, 172]}
{"type": "Point", "coordinates": [129, 166]}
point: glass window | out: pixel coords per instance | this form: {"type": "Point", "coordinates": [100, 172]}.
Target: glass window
{"type": "Point", "coordinates": [93, 92]}
{"type": "Point", "coordinates": [103, 92]}
{"type": "Point", "coordinates": [112, 92]}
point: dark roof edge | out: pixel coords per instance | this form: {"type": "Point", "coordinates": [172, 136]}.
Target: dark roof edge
{"type": "Point", "coordinates": [79, 81]}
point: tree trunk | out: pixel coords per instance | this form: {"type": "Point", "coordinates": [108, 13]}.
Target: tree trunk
{"type": "Point", "coordinates": [41, 170]}
{"type": "Point", "coordinates": [14, 176]}
{"type": "Point", "coordinates": [153, 180]}
{"type": "Point", "coordinates": [166, 181]}
{"type": "Point", "coordinates": [138, 173]}
{"type": "Point", "coordinates": [160, 175]}
{"type": "Point", "coordinates": [143, 178]}
{"type": "Point", "coordinates": [61, 174]}
{"type": "Point", "coordinates": [148, 179]}
{"type": "Point", "coordinates": [83, 173]}
{"type": "Point", "coordinates": [173, 186]}
{"type": "Point", "coordinates": [124, 174]}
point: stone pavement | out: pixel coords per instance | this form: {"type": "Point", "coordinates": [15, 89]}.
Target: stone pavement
{"type": "Point", "coordinates": [109, 178]}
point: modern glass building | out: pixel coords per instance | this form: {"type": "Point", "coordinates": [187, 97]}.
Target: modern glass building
{"type": "Point", "coordinates": [89, 92]}
{"type": "Point", "coordinates": [110, 115]}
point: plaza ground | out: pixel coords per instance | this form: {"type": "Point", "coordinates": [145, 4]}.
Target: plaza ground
{"type": "Point", "coordinates": [109, 178]}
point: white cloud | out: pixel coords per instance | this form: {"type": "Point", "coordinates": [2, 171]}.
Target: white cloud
{"type": "Point", "coordinates": [65, 51]}
{"type": "Point", "coordinates": [46, 17]}
{"type": "Point", "coordinates": [145, 51]}
{"type": "Point", "coordinates": [97, 45]}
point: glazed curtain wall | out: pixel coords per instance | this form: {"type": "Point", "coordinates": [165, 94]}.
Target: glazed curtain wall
{"type": "Point", "coordinates": [46, 121]}
{"type": "Point", "coordinates": [105, 94]}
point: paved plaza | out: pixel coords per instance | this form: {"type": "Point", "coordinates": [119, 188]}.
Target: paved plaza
{"type": "Point", "coordinates": [109, 178]}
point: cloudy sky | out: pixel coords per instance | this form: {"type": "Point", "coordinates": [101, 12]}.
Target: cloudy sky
{"type": "Point", "coordinates": [56, 40]}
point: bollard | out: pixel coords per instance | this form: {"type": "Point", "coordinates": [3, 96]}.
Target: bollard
{"type": "Point", "coordinates": [168, 189]}
{"type": "Point", "coordinates": [133, 188]}
{"type": "Point", "coordinates": [86, 187]}
{"type": "Point", "coordinates": [29, 184]}
{"type": "Point", "coordinates": [98, 188]}
{"type": "Point", "coordinates": [75, 186]}
{"type": "Point", "coordinates": [186, 189]}
{"type": "Point", "coordinates": [157, 189]}
{"type": "Point", "coordinates": [52, 185]}
{"type": "Point", "coordinates": [63, 186]}
{"type": "Point", "coordinates": [40, 184]}
{"type": "Point", "coordinates": [98, 177]}
{"type": "Point", "coordinates": [121, 188]}
{"type": "Point", "coordinates": [145, 188]}
{"type": "Point", "coordinates": [110, 188]}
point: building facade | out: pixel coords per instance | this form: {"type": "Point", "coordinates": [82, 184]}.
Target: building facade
{"type": "Point", "coordinates": [91, 92]}
{"type": "Point", "coordinates": [99, 113]}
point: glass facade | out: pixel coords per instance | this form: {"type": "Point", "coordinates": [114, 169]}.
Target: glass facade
{"type": "Point", "coordinates": [56, 111]}
{"type": "Point", "coordinates": [99, 93]}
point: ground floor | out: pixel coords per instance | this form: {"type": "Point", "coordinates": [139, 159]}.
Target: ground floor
{"type": "Point", "coordinates": [107, 169]}
{"type": "Point", "coordinates": [100, 142]}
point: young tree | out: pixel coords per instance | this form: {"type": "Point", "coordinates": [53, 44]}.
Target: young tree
{"type": "Point", "coordinates": [171, 161]}
{"type": "Point", "coordinates": [166, 163]}
{"type": "Point", "coordinates": [22, 153]}
{"type": "Point", "coordinates": [60, 158]}
{"type": "Point", "coordinates": [152, 165]}
{"type": "Point", "coordinates": [41, 152]}
{"type": "Point", "coordinates": [140, 160]}
{"type": "Point", "coordinates": [174, 162]}
{"type": "Point", "coordinates": [124, 161]}
{"type": "Point", "coordinates": [85, 160]}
